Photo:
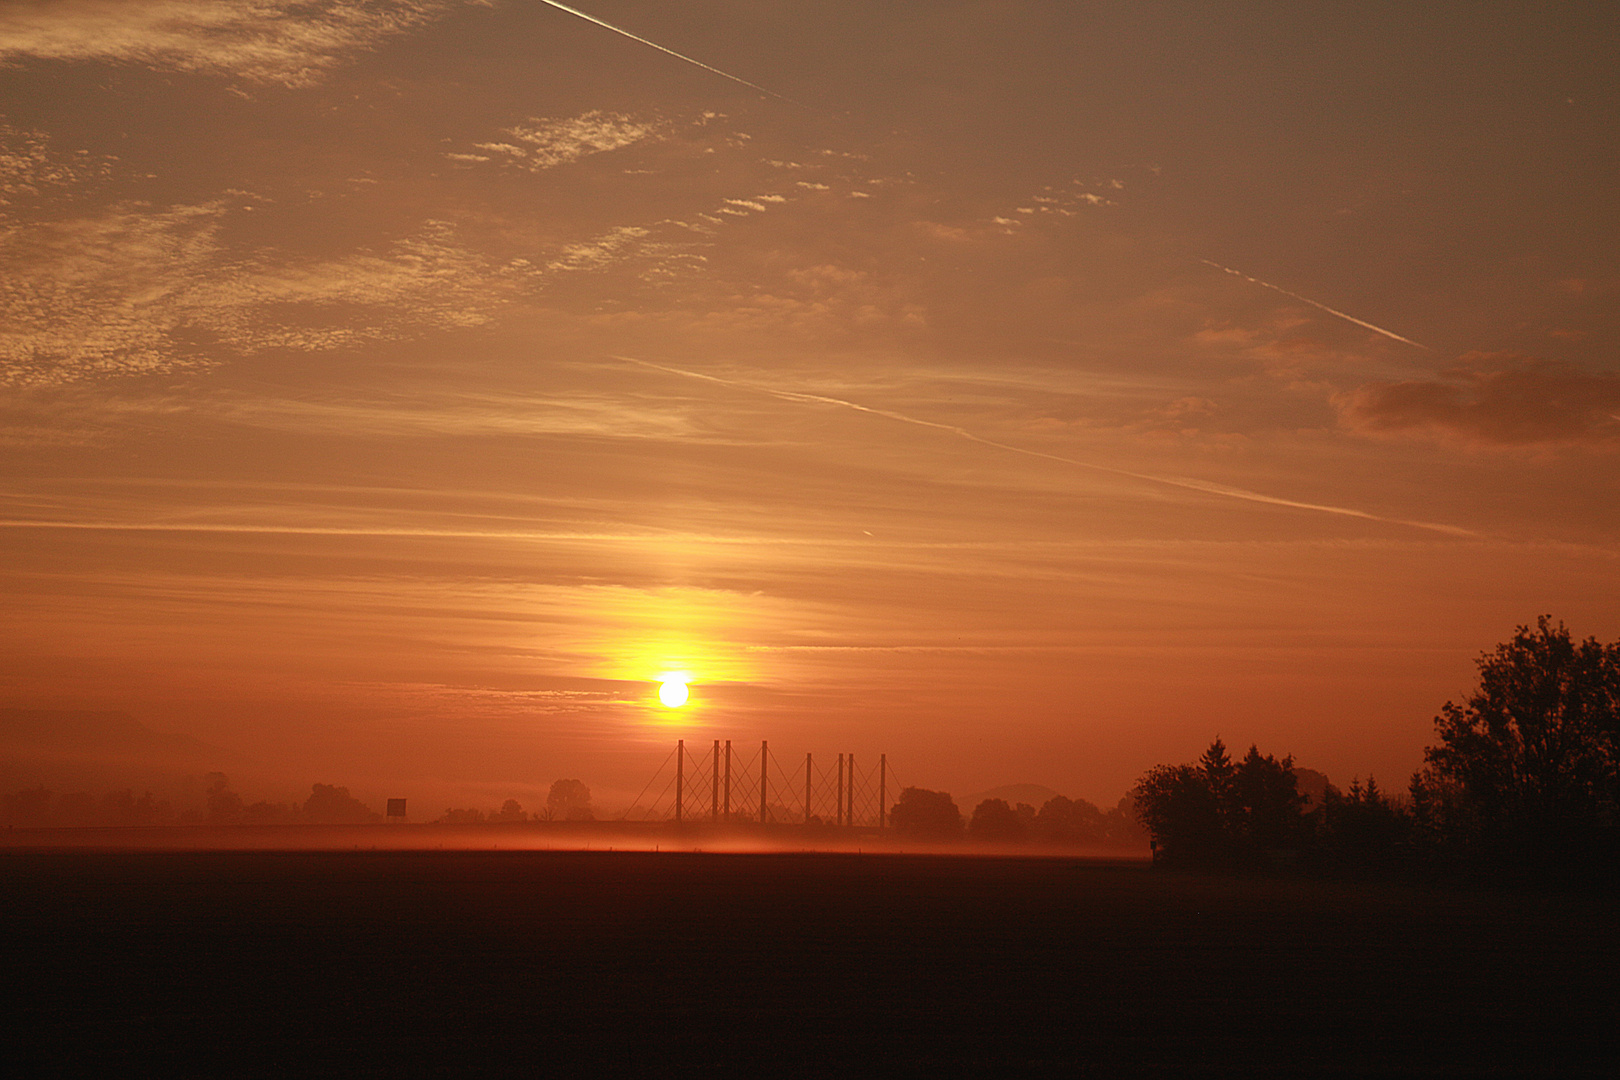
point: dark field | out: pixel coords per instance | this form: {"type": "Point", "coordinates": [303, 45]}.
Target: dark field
{"type": "Point", "coordinates": [519, 963]}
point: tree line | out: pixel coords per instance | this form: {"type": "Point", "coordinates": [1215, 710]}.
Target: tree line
{"type": "Point", "coordinates": [327, 804]}
{"type": "Point", "coordinates": [933, 815]}
{"type": "Point", "coordinates": [222, 805]}
{"type": "Point", "coordinates": [1525, 771]}
{"type": "Point", "coordinates": [568, 800]}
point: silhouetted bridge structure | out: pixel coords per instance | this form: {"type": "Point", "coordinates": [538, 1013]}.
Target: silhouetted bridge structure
{"type": "Point", "coordinates": [721, 787]}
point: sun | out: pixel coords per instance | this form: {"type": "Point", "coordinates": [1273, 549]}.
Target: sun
{"type": "Point", "coordinates": [672, 692]}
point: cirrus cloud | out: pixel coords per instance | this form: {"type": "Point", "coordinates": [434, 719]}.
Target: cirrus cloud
{"type": "Point", "coordinates": [291, 42]}
{"type": "Point", "coordinates": [140, 290]}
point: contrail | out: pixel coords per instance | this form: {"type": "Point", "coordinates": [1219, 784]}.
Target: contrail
{"type": "Point", "coordinates": [1322, 307]}
{"type": "Point", "coordinates": [671, 52]}
{"type": "Point", "coordinates": [1186, 483]}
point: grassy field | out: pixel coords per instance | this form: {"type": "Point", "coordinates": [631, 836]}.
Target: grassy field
{"type": "Point", "coordinates": [384, 963]}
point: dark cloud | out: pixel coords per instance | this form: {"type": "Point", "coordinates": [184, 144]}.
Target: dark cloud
{"type": "Point", "coordinates": [1496, 400]}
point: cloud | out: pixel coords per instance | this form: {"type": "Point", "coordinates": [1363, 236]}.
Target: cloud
{"type": "Point", "coordinates": [290, 42]}
{"type": "Point", "coordinates": [546, 142]}
{"type": "Point", "coordinates": [599, 252]}
{"type": "Point", "coordinates": [1495, 400]}
{"type": "Point", "coordinates": [30, 168]}
{"type": "Point", "coordinates": [140, 290]}
{"type": "Point", "coordinates": [1063, 200]}
{"type": "Point", "coordinates": [134, 288]}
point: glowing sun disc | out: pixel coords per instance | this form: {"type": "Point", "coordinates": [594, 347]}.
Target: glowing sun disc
{"type": "Point", "coordinates": [672, 692]}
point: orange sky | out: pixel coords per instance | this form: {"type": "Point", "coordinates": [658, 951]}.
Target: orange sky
{"type": "Point", "coordinates": [390, 392]}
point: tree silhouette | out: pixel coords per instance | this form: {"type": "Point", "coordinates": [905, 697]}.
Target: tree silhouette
{"type": "Point", "coordinates": [993, 819]}
{"type": "Point", "coordinates": [1218, 771]}
{"type": "Point", "coordinates": [224, 805]}
{"type": "Point", "coordinates": [1363, 828]}
{"type": "Point", "coordinates": [510, 813]}
{"type": "Point", "coordinates": [1532, 754]}
{"type": "Point", "coordinates": [1071, 820]}
{"type": "Point", "coordinates": [923, 813]}
{"type": "Point", "coordinates": [1178, 806]}
{"type": "Point", "coordinates": [569, 800]}
{"type": "Point", "coordinates": [1218, 812]}
{"type": "Point", "coordinates": [1264, 806]}
{"type": "Point", "coordinates": [335, 806]}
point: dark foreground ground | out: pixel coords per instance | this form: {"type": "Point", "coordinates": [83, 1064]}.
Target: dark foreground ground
{"type": "Point", "coordinates": [573, 963]}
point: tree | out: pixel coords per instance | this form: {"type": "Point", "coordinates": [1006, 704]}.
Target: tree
{"type": "Point", "coordinates": [329, 805]}
{"type": "Point", "coordinates": [569, 800]}
{"type": "Point", "coordinates": [1221, 813]}
{"type": "Point", "coordinates": [1181, 813]}
{"type": "Point", "coordinates": [510, 813]}
{"type": "Point", "coordinates": [1531, 756]}
{"type": "Point", "coordinates": [1071, 821]}
{"type": "Point", "coordinates": [224, 805]}
{"type": "Point", "coordinates": [1218, 771]}
{"type": "Point", "coordinates": [1264, 806]}
{"type": "Point", "coordinates": [1362, 828]}
{"type": "Point", "coordinates": [123, 808]}
{"type": "Point", "coordinates": [993, 819]}
{"type": "Point", "coordinates": [927, 814]}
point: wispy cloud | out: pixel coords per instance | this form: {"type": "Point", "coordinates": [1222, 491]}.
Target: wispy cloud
{"type": "Point", "coordinates": [545, 142]}
{"type": "Point", "coordinates": [140, 290]}
{"type": "Point", "coordinates": [290, 42]}
{"type": "Point", "coordinates": [1187, 483]}
{"type": "Point", "coordinates": [1495, 400]}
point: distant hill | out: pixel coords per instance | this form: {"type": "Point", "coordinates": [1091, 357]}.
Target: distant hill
{"type": "Point", "coordinates": [1033, 794]}
{"type": "Point", "coordinates": [1313, 785]}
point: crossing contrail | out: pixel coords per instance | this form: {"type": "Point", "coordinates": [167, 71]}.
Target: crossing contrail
{"type": "Point", "coordinates": [1184, 482]}
{"type": "Point", "coordinates": [671, 52]}
{"type": "Point", "coordinates": [1321, 307]}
